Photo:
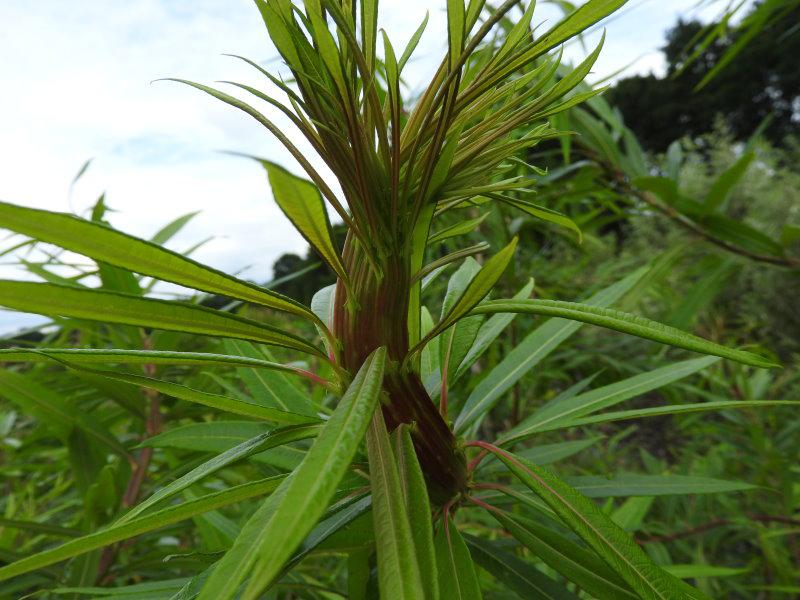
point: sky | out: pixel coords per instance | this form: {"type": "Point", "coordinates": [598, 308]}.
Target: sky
{"type": "Point", "coordinates": [78, 83]}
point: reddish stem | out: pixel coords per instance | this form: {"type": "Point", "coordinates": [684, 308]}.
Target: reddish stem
{"type": "Point", "coordinates": [484, 505]}
{"type": "Point", "coordinates": [473, 464]}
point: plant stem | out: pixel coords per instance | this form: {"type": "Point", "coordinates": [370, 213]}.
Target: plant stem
{"type": "Point", "coordinates": [378, 316]}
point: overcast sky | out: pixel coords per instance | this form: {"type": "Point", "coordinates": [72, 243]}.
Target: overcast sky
{"type": "Point", "coordinates": [75, 80]}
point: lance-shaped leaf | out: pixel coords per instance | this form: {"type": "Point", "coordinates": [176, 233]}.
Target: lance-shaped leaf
{"type": "Point", "coordinates": [574, 562]}
{"type": "Point", "coordinates": [677, 409]}
{"type": "Point", "coordinates": [260, 443]}
{"type": "Point", "coordinates": [188, 394]}
{"type": "Point", "coordinates": [301, 202]}
{"type": "Point", "coordinates": [101, 356]}
{"type": "Point", "coordinates": [399, 575]}
{"type": "Point", "coordinates": [157, 520]}
{"type": "Point", "coordinates": [460, 228]}
{"type": "Point", "coordinates": [625, 323]}
{"type": "Point", "coordinates": [415, 491]}
{"type": "Point", "coordinates": [275, 530]}
{"type": "Point", "coordinates": [102, 243]}
{"type": "Point", "coordinates": [111, 307]}
{"type": "Point", "coordinates": [554, 415]}
{"type": "Point", "coordinates": [599, 532]}
{"type": "Point", "coordinates": [633, 484]}
{"type": "Point", "coordinates": [270, 388]}
{"type": "Point", "coordinates": [481, 284]}
{"type": "Point", "coordinates": [457, 577]}
{"type": "Point", "coordinates": [525, 579]}
{"type": "Point", "coordinates": [528, 353]}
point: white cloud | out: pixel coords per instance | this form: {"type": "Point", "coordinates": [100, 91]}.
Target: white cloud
{"type": "Point", "coordinates": [76, 84]}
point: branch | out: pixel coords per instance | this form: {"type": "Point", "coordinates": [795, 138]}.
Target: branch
{"type": "Point", "coordinates": [713, 525]}
{"type": "Point", "coordinates": [651, 200]}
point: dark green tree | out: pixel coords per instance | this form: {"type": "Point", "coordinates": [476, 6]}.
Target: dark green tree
{"type": "Point", "coordinates": [762, 80]}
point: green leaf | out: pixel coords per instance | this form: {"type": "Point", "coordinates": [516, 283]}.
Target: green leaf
{"type": "Point", "coordinates": [93, 356]}
{"type": "Point", "coordinates": [38, 527]}
{"type": "Point", "coordinates": [270, 388]}
{"type": "Point", "coordinates": [604, 536]}
{"type": "Point", "coordinates": [399, 574]}
{"type": "Point", "coordinates": [489, 332]}
{"type": "Point", "coordinates": [544, 454]}
{"type": "Point", "coordinates": [157, 520]}
{"type": "Point", "coordinates": [677, 409]}
{"type": "Point", "coordinates": [412, 43]}
{"type": "Point", "coordinates": [528, 353]}
{"type": "Point", "coordinates": [723, 186]}
{"type": "Point", "coordinates": [542, 213]}
{"type": "Point", "coordinates": [459, 228]}
{"type": "Point", "coordinates": [574, 562]}
{"type": "Point", "coordinates": [214, 436]}
{"type": "Point", "coordinates": [556, 415]}
{"type": "Point", "coordinates": [111, 307]}
{"type": "Point", "coordinates": [457, 577]}
{"type": "Point", "coordinates": [122, 250]}
{"type": "Point", "coordinates": [631, 484]}
{"type": "Point", "coordinates": [577, 21]}
{"type": "Point", "coordinates": [188, 394]}
{"type": "Point", "coordinates": [526, 580]}
{"type": "Point", "coordinates": [455, 29]}
{"type": "Point", "coordinates": [271, 535]}
{"type": "Point", "coordinates": [415, 492]}
{"type": "Point", "coordinates": [260, 443]}
{"type": "Point", "coordinates": [166, 233]}
{"type": "Point", "coordinates": [697, 571]}
{"type": "Point", "coordinates": [301, 202]}
{"type": "Point", "coordinates": [624, 323]}
{"type": "Point", "coordinates": [481, 284]}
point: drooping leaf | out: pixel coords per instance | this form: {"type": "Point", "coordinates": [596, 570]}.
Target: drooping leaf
{"type": "Point", "coordinates": [111, 307]}
{"type": "Point", "coordinates": [678, 409]}
{"type": "Point", "coordinates": [258, 444]}
{"type": "Point", "coordinates": [188, 394]}
{"type": "Point", "coordinates": [269, 388]}
{"type": "Point", "coordinates": [457, 577]}
{"type": "Point", "coordinates": [528, 353]}
{"type": "Point", "coordinates": [271, 535]}
{"type": "Point", "coordinates": [557, 414]}
{"type": "Point", "coordinates": [632, 484]}
{"type": "Point", "coordinates": [122, 250]}
{"type": "Point", "coordinates": [599, 532]}
{"type": "Point", "coordinates": [574, 562]}
{"type": "Point", "coordinates": [399, 573]}
{"type": "Point", "coordinates": [625, 323]}
{"type": "Point", "coordinates": [525, 579]}
{"type": "Point", "coordinates": [415, 491]}
{"type": "Point", "coordinates": [157, 520]}
{"type": "Point", "coordinates": [301, 202]}
{"type": "Point", "coordinates": [98, 356]}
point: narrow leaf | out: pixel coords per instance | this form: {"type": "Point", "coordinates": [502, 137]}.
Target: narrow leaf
{"type": "Point", "coordinates": [457, 577]}
{"type": "Point", "coordinates": [111, 307]}
{"type": "Point", "coordinates": [157, 520]}
{"type": "Point", "coordinates": [604, 536]}
{"type": "Point", "coordinates": [102, 243]}
{"type": "Point", "coordinates": [399, 575]}
{"type": "Point", "coordinates": [275, 530]}
{"type": "Point", "coordinates": [625, 323]}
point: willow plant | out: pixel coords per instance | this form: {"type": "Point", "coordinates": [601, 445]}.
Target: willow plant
{"type": "Point", "coordinates": [399, 167]}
